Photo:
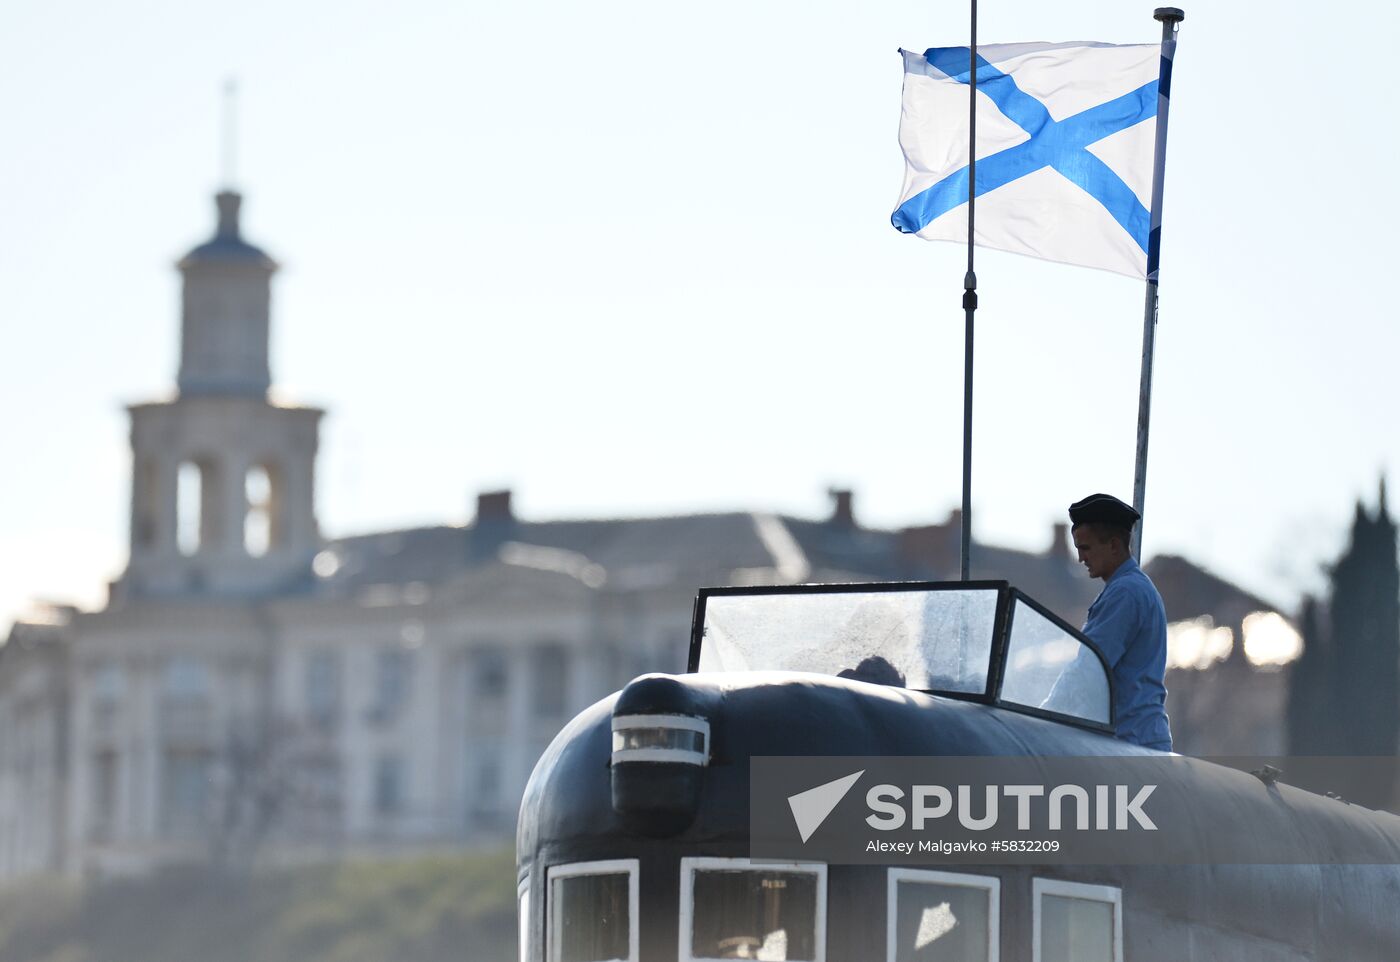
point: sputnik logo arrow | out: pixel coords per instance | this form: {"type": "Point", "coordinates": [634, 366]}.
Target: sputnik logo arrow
{"type": "Point", "coordinates": [810, 808]}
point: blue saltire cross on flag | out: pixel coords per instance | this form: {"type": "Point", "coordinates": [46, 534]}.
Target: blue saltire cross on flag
{"type": "Point", "coordinates": [1065, 136]}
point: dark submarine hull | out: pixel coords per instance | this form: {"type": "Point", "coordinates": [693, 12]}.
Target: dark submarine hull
{"type": "Point", "coordinates": [1323, 911]}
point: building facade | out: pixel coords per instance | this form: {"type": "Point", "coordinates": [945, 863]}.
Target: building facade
{"type": "Point", "coordinates": [254, 691]}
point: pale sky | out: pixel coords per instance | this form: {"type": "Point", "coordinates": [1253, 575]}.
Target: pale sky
{"type": "Point", "coordinates": [632, 258]}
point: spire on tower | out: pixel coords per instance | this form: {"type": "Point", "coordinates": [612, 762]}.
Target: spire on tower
{"type": "Point", "coordinates": [230, 134]}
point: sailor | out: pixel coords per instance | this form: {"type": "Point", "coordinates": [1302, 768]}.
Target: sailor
{"type": "Point", "coordinates": [1127, 621]}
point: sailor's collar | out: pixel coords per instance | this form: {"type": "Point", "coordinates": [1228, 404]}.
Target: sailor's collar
{"type": "Point", "coordinates": [1126, 568]}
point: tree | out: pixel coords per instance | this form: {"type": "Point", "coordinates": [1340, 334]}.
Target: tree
{"type": "Point", "coordinates": [1366, 637]}
{"type": "Point", "coordinates": [1311, 712]}
{"type": "Point", "coordinates": [284, 781]}
{"type": "Point", "coordinates": [1344, 692]}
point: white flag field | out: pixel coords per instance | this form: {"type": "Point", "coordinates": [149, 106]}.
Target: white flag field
{"type": "Point", "coordinates": [1065, 138]}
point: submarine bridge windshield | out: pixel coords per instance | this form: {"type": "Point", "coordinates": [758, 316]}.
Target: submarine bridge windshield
{"type": "Point", "coordinates": [979, 641]}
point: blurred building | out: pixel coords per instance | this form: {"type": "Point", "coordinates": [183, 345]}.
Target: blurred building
{"type": "Point", "coordinates": [252, 690]}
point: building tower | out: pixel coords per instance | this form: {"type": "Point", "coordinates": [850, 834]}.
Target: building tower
{"type": "Point", "coordinates": [222, 496]}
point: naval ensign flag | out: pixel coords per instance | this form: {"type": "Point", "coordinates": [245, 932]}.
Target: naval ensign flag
{"type": "Point", "coordinates": [1065, 137]}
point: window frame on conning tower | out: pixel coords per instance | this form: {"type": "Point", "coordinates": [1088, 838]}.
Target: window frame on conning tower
{"type": "Point", "coordinates": [630, 867]}
{"type": "Point", "coordinates": [523, 919]}
{"type": "Point", "coordinates": [989, 884]}
{"type": "Point", "coordinates": [1110, 895]}
{"type": "Point", "coordinates": [1008, 599]}
{"type": "Point", "coordinates": [691, 867]}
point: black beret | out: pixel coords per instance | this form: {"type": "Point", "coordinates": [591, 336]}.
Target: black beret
{"type": "Point", "coordinates": [1103, 509]}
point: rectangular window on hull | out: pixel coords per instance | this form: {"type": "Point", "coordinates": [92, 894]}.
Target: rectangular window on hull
{"type": "Point", "coordinates": [1077, 923]}
{"type": "Point", "coordinates": [731, 909]}
{"type": "Point", "coordinates": [593, 912]}
{"type": "Point", "coordinates": [933, 916]}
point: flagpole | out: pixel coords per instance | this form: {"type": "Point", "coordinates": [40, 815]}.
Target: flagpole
{"type": "Point", "coordinates": [1169, 17]}
{"type": "Point", "coordinates": [969, 307]}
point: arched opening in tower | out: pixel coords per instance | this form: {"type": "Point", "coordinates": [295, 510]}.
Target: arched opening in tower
{"type": "Point", "coordinates": [189, 498]}
{"type": "Point", "coordinates": [198, 495]}
{"type": "Point", "coordinates": [262, 525]}
{"type": "Point", "coordinates": [145, 524]}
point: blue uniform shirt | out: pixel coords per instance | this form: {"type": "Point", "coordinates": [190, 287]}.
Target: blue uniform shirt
{"type": "Point", "coordinates": [1129, 624]}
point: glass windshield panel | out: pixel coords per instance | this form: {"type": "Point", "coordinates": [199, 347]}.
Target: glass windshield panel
{"type": "Point", "coordinates": [935, 921]}
{"type": "Point", "coordinates": [922, 639]}
{"type": "Point", "coordinates": [591, 922]}
{"type": "Point", "coordinates": [1049, 668]}
{"type": "Point", "coordinates": [1075, 930]}
{"type": "Point", "coordinates": [751, 914]}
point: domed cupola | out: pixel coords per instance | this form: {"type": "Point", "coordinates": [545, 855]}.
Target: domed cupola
{"type": "Point", "coordinates": [225, 308]}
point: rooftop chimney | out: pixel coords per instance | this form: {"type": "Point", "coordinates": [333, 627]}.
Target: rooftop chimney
{"type": "Point", "coordinates": [842, 507]}
{"type": "Point", "coordinates": [1059, 542]}
{"type": "Point", "coordinates": [933, 547]}
{"type": "Point", "coordinates": [493, 506]}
